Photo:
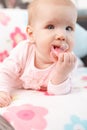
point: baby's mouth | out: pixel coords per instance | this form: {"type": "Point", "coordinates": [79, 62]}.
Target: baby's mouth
{"type": "Point", "coordinates": [56, 49]}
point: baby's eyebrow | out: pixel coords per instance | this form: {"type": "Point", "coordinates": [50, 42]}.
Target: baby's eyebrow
{"type": "Point", "coordinates": [48, 22]}
{"type": "Point", "coordinates": [72, 25]}
{"type": "Point", "coordinates": [54, 20]}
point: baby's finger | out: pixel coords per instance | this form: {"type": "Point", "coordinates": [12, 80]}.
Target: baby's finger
{"type": "Point", "coordinates": [66, 57]}
{"type": "Point", "coordinates": [72, 58]}
{"type": "Point", "coordinates": [61, 57]}
{"type": "Point", "coordinates": [4, 101]}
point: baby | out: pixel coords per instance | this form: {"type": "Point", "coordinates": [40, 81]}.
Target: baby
{"type": "Point", "coordinates": [45, 61]}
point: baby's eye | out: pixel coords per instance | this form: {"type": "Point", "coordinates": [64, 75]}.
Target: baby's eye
{"type": "Point", "coordinates": [50, 27]}
{"type": "Point", "coordinates": [69, 28]}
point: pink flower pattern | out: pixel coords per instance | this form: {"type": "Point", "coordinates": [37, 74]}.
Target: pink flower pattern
{"type": "Point", "coordinates": [4, 19]}
{"type": "Point", "coordinates": [17, 36]}
{"type": "Point", "coordinates": [85, 87]}
{"type": "Point", "coordinates": [3, 55]}
{"type": "Point", "coordinates": [84, 78]}
{"type": "Point", "coordinates": [45, 92]}
{"type": "Point", "coordinates": [48, 94]}
{"type": "Point", "coordinates": [27, 117]}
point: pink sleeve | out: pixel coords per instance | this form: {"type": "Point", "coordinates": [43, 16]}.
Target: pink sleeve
{"type": "Point", "coordinates": [12, 67]}
{"type": "Point", "coordinates": [60, 89]}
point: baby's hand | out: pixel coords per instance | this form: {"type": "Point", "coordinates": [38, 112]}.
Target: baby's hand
{"type": "Point", "coordinates": [65, 64]}
{"type": "Point", "coordinates": [5, 99]}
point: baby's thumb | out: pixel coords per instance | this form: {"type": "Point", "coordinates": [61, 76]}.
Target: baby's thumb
{"type": "Point", "coordinates": [61, 57]}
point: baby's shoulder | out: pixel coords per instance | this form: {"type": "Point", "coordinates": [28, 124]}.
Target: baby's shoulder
{"type": "Point", "coordinates": [24, 46]}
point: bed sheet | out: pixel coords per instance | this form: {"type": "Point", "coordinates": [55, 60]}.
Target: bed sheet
{"type": "Point", "coordinates": [36, 110]}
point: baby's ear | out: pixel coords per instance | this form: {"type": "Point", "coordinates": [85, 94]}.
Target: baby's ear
{"type": "Point", "coordinates": [29, 31]}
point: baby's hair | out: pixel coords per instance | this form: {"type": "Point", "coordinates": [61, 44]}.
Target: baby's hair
{"type": "Point", "coordinates": [33, 6]}
{"type": "Point", "coordinates": [4, 124]}
{"type": "Point", "coordinates": [31, 10]}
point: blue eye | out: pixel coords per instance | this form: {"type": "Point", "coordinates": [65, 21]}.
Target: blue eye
{"type": "Point", "coordinates": [50, 27]}
{"type": "Point", "coordinates": [69, 28]}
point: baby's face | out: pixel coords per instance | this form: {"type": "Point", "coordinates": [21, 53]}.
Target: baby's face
{"type": "Point", "coordinates": [53, 29]}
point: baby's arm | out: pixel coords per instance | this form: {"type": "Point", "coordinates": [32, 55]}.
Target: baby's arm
{"type": "Point", "coordinates": [10, 71]}
{"type": "Point", "coordinates": [8, 76]}
{"type": "Point", "coordinates": [5, 78]}
{"type": "Point", "coordinates": [60, 79]}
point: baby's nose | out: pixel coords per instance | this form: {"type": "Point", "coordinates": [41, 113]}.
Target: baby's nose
{"type": "Point", "coordinates": [60, 37]}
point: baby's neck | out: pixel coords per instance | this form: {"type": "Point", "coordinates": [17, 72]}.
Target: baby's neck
{"type": "Point", "coordinates": [41, 64]}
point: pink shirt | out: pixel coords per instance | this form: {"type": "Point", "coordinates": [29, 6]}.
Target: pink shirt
{"type": "Point", "coordinates": [18, 71]}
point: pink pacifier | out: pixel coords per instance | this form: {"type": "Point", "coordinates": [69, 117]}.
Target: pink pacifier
{"type": "Point", "coordinates": [64, 46]}
{"type": "Point", "coordinates": [55, 51]}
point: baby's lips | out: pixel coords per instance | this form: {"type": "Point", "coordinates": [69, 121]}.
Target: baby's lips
{"type": "Point", "coordinates": [58, 49]}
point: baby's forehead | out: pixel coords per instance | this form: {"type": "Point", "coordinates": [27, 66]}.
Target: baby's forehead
{"type": "Point", "coordinates": [59, 2]}
{"type": "Point", "coordinates": [36, 5]}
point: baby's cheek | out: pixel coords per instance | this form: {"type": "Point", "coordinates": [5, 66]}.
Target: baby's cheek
{"type": "Point", "coordinates": [71, 46]}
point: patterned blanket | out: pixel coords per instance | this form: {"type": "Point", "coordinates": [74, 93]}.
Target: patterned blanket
{"type": "Point", "coordinates": [35, 110]}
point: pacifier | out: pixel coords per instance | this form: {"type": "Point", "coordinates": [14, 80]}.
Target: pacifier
{"type": "Point", "coordinates": [64, 46]}
{"type": "Point", "coordinates": [58, 49]}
